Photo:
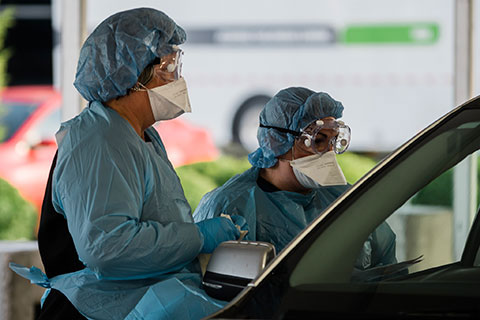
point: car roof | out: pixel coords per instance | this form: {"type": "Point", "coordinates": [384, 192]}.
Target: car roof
{"type": "Point", "coordinates": [27, 93]}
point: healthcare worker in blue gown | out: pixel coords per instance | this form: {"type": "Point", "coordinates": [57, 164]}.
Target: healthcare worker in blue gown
{"type": "Point", "coordinates": [294, 175]}
{"type": "Point", "coordinates": [117, 238]}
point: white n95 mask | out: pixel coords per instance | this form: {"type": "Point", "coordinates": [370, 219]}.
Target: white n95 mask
{"type": "Point", "coordinates": [170, 100]}
{"type": "Point", "coordinates": [318, 170]}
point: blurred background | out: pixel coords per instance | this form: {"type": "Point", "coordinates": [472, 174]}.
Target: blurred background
{"type": "Point", "coordinates": [397, 66]}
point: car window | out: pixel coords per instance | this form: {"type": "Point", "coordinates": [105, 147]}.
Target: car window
{"type": "Point", "coordinates": [45, 128]}
{"type": "Point", "coordinates": [12, 115]}
{"type": "Point", "coordinates": [420, 230]}
{"type": "Point", "coordinates": [424, 226]}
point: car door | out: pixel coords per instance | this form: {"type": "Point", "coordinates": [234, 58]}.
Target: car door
{"type": "Point", "coordinates": [315, 275]}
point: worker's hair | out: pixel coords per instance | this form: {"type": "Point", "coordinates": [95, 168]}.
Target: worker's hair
{"type": "Point", "coordinates": [146, 75]}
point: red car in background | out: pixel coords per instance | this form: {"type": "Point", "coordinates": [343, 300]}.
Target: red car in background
{"type": "Point", "coordinates": [29, 118]}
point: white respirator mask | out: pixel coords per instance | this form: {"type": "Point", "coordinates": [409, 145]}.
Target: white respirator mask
{"type": "Point", "coordinates": [318, 170]}
{"type": "Point", "coordinates": [170, 100]}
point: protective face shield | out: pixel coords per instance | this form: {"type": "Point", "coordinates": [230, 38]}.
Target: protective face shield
{"type": "Point", "coordinates": [324, 135]}
{"type": "Point", "coordinates": [170, 67]}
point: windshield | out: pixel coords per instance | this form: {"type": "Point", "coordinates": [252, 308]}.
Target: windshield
{"type": "Point", "coordinates": [12, 115]}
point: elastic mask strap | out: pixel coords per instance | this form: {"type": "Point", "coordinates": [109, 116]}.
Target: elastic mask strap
{"type": "Point", "coordinates": [137, 88]}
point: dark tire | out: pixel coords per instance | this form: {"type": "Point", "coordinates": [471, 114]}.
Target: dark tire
{"type": "Point", "coordinates": [245, 122]}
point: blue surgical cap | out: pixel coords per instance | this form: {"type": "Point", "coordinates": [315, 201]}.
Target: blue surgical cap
{"type": "Point", "coordinates": [293, 109]}
{"type": "Point", "coordinates": [117, 51]}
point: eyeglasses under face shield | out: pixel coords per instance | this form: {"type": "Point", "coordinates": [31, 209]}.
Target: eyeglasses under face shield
{"type": "Point", "coordinates": [170, 66]}
{"type": "Point", "coordinates": [321, 136]}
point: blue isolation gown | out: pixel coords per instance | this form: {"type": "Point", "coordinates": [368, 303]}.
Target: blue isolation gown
{"type": "Point", "coordinates": [278, 216]}
{"type": "Point", "coordinates": [130, 223]}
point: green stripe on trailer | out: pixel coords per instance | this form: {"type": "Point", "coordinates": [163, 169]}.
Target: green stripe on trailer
{"type": "Point", "coordinates": [416, 33]}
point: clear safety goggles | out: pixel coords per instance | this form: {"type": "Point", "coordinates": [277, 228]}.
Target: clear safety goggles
{"type": "Point", "coordinates": [321, 136]}
{"type": "Point", "coordinates": [324, 135]}
{"type": "Point", "coordinates": [170, 66]}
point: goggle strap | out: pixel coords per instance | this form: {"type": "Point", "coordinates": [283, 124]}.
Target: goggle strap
{"type": "Point", "coordinates": [295, 133]}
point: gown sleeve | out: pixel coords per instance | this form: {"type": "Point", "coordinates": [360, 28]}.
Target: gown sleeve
{"type": "Point", "coordinates": [102, 198]}
{"type": "Point", "coordinates": [383, 245]}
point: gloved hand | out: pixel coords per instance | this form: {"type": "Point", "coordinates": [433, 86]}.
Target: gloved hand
{"type": "Point", "coordinates": [240, 221]}
{"type": "Point", "coordinates": [216, 231]}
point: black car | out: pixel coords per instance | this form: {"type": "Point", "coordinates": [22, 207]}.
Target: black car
{"type": "Point", "coordinates": [313, 277]}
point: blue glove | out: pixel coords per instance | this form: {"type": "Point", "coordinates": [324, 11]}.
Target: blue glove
{"type": "Point", "coordinates": [216, 231]}
{"type": "Point", "coordinates": [240, 221]}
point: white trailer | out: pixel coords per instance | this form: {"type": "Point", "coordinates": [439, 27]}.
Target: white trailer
{"type": "Point", "coordinates": [391, 63]}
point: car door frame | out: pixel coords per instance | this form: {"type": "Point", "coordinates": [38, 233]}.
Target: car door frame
{"type": "Point", "coordinates": [287, 261]}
